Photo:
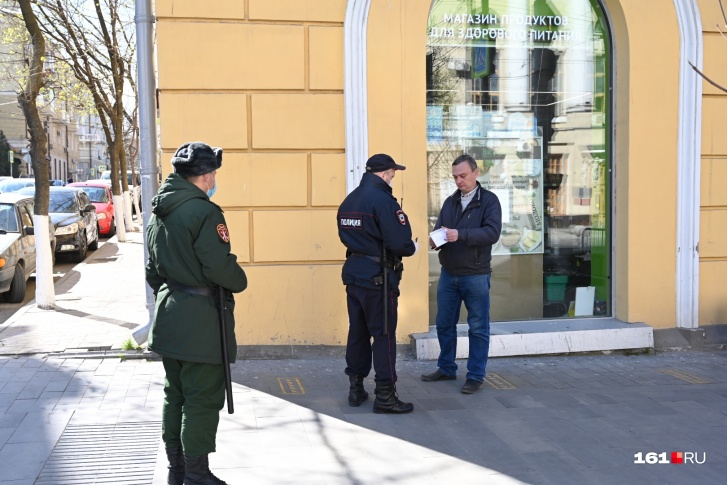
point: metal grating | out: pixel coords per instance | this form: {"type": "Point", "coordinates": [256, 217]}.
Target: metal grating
{"type": "Point", "coordinates": [123, 453]}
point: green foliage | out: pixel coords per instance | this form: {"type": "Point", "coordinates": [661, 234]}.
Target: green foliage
{"type": "Point", "coordinates": [129, 344]}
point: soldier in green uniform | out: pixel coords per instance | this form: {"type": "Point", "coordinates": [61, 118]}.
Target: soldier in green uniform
{"type": "Point", "coordinates": [189, 257]}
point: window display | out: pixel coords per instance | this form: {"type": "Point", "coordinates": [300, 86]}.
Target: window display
{"type": "Point", "coordinates": [523, 86]}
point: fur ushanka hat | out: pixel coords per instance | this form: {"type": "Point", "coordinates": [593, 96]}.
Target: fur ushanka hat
{"type": "Point", "coordinates": [196, 158]}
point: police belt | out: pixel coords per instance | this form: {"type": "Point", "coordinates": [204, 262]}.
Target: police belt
{"type": "Point", "coordinates": [391, 262]}
{"type": "Point", "coordinates": [190, 290]}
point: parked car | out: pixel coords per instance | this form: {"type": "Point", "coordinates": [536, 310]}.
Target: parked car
{"type": "Point", "coordinates": [57, 183]}
{"type": "Point", "coordinates": [17, 244]}
{"type": "Point", "coordinates": [106, 177]}
{"type": "Point", "coordinates": [101, 198]}
{"type": "Point", "coordinates": [75, 220]}
{"type": "Point", "coordinates": [13, 185]}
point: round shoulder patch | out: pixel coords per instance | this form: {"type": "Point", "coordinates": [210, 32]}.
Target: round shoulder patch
{"type": "Point", "coordinates": [223, 232]}
{"type": "Point", "coordinates": [402, 217]}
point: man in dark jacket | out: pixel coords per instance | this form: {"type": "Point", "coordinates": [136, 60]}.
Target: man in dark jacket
{"type": "Point", "coordinates": [472, 218]}
{"type": "Point", "coordinates": [189, 258]}
{"type": "Point", "coordinates": [377, 234]}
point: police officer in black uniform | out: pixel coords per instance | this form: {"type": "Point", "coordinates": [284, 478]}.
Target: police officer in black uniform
{"type": "Point", "coordinates": [377, 234]}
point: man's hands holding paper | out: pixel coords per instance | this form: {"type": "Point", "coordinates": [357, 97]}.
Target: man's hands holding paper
{"type": "Point", "coordinates": [441, 236]}
{"type": "Point", "coordinates": [452, 234]}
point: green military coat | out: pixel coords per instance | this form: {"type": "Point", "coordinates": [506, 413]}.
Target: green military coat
{"type": "Point", "coordinates": [189, 243]}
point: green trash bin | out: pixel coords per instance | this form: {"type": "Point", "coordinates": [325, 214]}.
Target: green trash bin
{"type": "Point", "coordinates": [555, 287]}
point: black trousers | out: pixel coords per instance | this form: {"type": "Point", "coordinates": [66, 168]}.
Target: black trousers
{"type": "Point", "coordinates": [366, 321]}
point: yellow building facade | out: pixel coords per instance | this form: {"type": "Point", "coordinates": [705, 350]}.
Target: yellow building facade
{"type": "Point", "coordinates": [300, 92]}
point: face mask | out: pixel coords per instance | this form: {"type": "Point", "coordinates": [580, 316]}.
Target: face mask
{"type": "Point", "coordinates": [212, 191]}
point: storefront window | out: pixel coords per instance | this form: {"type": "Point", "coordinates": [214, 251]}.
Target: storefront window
{"type": "Point", "coordinates": [524, 87]}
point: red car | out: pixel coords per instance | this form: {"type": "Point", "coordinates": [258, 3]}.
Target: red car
{"type": "Point", "coordinates": [100, 195]}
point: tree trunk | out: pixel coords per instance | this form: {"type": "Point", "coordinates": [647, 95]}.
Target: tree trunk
{"type": "Point", "coordinates": [45, 292]}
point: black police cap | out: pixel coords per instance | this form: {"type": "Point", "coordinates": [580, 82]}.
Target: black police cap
{"type": "Point", "coordinates": [382, 162]}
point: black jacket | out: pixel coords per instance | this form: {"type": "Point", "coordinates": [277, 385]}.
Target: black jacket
{"type": "Point", "coordinates": [479, 228]}
{"type": "Point", "coordinates": [369, 218]}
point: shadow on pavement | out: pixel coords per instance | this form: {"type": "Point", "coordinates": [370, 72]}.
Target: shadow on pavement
{"type": "Point", "coordinates": [576, 419]}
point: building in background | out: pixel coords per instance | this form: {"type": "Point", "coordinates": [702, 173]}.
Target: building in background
{"type": "Point", "coordinates": [584, 116]}
{"type": "Point", "coordinates": [63, 144]}
{"type": "Point", "coordinates": [61, 124]}
{"type": "Point", "coordinates": [94, 157]}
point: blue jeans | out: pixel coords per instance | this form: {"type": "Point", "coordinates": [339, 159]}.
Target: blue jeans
{"type": "Point", "coordinates": [474, 290]}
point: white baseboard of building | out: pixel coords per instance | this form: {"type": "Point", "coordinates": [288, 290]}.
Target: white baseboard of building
{"type": "Point", "coordinates": [509, 339]}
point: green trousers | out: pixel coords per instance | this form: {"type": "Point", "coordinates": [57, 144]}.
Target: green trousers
{"type": "Point", "coordinates": [194, 394]}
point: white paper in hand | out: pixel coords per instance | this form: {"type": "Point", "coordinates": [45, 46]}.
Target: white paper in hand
{"type": "Point", "coordinates": [439, 237]}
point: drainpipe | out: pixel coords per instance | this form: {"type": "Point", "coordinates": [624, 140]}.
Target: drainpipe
{"type": "Point", "coordinates": [147, 120]}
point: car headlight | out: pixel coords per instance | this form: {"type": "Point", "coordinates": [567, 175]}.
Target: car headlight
{"type": "Point", "coordinates": [69, 229]}
{"type": "Point", "coordinates": [101, 215]}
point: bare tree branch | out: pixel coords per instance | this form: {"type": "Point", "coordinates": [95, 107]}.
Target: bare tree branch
{"type": "Point", "coordinates": [721, 88]}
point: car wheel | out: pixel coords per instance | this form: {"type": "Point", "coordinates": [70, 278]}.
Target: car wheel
{"type": "Point", "coordinates": [81, 253]}
{"type": "Point", "coordinates": [94, 244]}
{"type": "Point", "coordinates": [112, 228]}
{"type": "Point", "coordinates": [16, 293]}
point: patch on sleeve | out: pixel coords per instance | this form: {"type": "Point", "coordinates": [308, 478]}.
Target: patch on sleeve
{"type": "Point", "coordinates": [402, 217]}
{"type": "Point", "coordinates": [223, 232]}
{"type": "Point", "coordinates": [348, 222]}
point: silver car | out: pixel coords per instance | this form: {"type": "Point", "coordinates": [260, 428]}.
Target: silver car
{"type": "Point", "coordinates": [17, 244]}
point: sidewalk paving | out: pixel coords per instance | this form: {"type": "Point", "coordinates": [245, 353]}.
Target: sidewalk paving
{"type": "Point", "coordinates": [69, 417]}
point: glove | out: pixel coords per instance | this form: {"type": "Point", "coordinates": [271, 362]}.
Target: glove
{"type": "Point", "coordinates": [416, 247]}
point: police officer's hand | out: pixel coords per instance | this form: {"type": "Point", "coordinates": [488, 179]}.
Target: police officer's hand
{"type": "Point", "coordinates": [452, 234]}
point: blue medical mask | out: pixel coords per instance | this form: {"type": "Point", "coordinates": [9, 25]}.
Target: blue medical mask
{"type": "Point", "coordinates": [212, 191]}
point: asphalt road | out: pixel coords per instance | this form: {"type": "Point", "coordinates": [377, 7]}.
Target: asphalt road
{"type": "Point", "coordinates": [63, 264]}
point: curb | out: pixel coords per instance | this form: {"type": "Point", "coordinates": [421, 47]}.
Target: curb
{"type": "Point", "coordinates": [106, 354]}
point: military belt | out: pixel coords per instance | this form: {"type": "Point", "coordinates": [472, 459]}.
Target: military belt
{"type": "Point", "coordinates": [190, 290]}
{"type": "Point", "coordinates": [390, 262]}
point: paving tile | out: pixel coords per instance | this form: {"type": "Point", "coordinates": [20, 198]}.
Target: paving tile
{"type": "Point", "coordinates": [41, 427]}
{"type": "Point", "coordinates": [557, 467]}
{"type": "Point", "coordinates": [13, 387]}
{"type": "Point", "coordinates": [21, 406]}
{"type": "Point", "coordinates": [5, 434]}
{"type": "Point", "coordinates": [23, 461]}
{"type": "Point", "coordinates": [441, 404]}
{"type": "Point", "coordinates": [519, 401]}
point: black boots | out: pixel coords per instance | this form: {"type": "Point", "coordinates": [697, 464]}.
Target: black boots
{"type": "Point", "coordinates": [357, 394]}
{"type": "Point", "coordinates": [197, 471]}
{"type": "Point", "coordinates": [387, 401]}
{"type": "Point", "coordinates": [176, 466]}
